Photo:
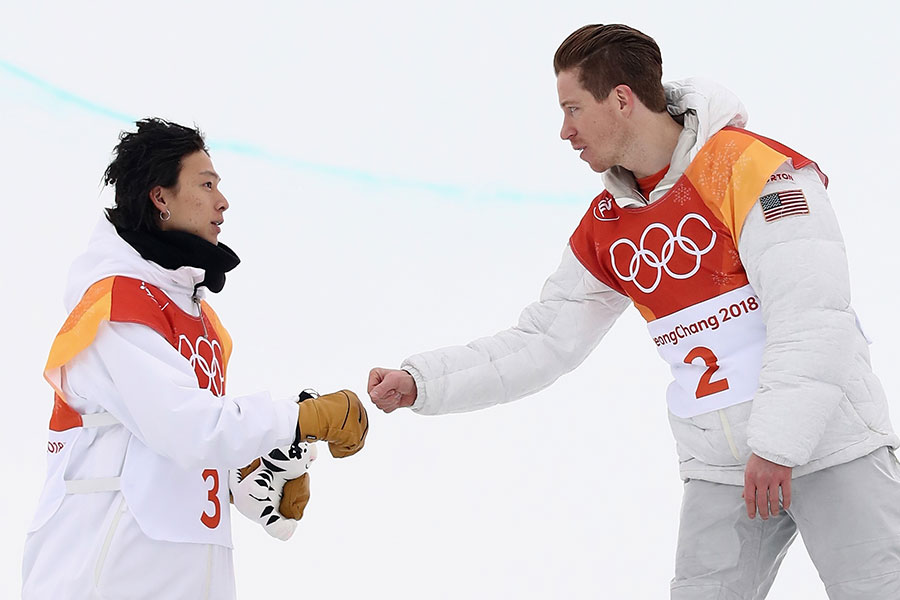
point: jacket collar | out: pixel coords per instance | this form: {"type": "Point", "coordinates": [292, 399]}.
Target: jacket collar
{"type": "Point", "coordinates": [108, 254]}
{"type": "Point", "coordinates": [703, 107]}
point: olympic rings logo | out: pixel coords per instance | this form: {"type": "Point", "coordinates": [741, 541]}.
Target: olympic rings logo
{"type": "Point", "coordinates": [210, 368]}
{"type": "Point", "coordinates": [660, 262]}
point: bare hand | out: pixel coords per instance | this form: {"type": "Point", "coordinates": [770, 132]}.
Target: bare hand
{"type": "Point", "coordinates": [762, 479]}
{"type": "Point", "coordinates": [391, 389]}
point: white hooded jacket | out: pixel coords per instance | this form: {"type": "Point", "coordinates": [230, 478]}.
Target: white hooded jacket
{"type": "Point", "coordinates": [818, 404]}
{"type": "Point", "coordinates": [97, 544]}
{"type": "Point", "coordinates": [163, 405]}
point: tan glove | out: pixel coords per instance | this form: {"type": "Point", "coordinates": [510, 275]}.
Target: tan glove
{"type": "Point", "coordinates": [294, 496]}
{"type": "Point", "coordinates": [338, 418]}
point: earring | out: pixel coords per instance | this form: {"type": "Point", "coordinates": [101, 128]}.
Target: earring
{"type": "Point", "coordinates": [164, 215]}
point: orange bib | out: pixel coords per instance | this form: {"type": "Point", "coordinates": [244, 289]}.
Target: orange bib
{"type": "Point", "coordinates": [677, 260]}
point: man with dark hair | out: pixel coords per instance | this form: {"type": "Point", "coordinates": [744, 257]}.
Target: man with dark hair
{"type": "Point", "coordinates": [143, 434]}
{"type": "Point", "coordinates": [726, 243]}
{"type": "Point", "coordinates": [145, 158]}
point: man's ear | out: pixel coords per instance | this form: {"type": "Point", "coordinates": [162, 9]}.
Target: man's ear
{"type": "Point", "coordinates": [158, 198]}
{"type": "Point", "coordinates": [625, 98]}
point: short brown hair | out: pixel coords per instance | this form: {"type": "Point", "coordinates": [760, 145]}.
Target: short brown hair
{"type": "Point", "coordinates": [609, 55]}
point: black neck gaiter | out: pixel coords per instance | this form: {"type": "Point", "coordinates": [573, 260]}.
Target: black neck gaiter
{"type": "Point", "coordinates": [175, 249]}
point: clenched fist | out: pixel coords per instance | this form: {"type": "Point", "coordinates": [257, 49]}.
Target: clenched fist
{"type": "Point", "coordinates": [391, 389]}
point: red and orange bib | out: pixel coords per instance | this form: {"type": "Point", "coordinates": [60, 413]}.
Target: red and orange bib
{"type": "Point", "coordinates": [201, 340]}
{"type": "Point", "coordinates": [169, 502]}
{"type": "Point", "coordinates": [677, 260]}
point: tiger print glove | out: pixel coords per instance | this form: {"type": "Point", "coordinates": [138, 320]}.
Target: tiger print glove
{"type": "Point", "coordinates": [273, 490]}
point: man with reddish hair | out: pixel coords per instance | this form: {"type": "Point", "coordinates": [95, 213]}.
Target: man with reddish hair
{"type": "Point", "coordinates": [726, 243]}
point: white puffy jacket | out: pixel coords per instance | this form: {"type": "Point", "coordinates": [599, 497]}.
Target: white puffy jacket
{"type": "Point", "coordinates": [818, 403]}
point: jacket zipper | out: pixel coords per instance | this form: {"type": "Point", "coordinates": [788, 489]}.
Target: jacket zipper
{"type": "Point", "coordinates": [200, 312]}
{"type": "Point", "coordinates": [726, 429]}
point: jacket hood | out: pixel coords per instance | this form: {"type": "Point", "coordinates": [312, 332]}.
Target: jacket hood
{"type": "Point", "coordinates": [703, 107]}
{"type": "Point", "coordinates": [108, 254]}
{"type": "Point", "coordinates": [707, 107]}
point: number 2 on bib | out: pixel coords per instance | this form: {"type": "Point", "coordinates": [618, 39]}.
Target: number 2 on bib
{"type": "Point", "coordinates": [707, 387]}
{"type": "Point", "coordinates": [212, 521]}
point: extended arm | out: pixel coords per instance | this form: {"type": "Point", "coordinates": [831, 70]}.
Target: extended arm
{"type": "Point", "coordinates": [136, 375]}
{"type": "Point", "coordinates": [552, 337]}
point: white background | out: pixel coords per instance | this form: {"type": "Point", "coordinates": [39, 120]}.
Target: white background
{"type": "Point", "coordinates": [401, 186]}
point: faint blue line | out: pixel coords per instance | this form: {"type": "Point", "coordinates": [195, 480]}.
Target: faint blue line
{"type": "Point", "coordinates": [237, 147]}
{"type": "Point", "coordinates": [64, 95]}
{"type": "Point", "coordinates": [344, 173]}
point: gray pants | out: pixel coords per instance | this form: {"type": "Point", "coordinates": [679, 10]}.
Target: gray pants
{"type": "Point", "coordinates": [848, 517]}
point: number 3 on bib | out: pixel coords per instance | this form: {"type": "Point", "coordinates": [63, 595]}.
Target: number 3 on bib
{"type": "Point", "coordinates": [707, 387]}
{"type": "Point", "coordinates": [212, 521]}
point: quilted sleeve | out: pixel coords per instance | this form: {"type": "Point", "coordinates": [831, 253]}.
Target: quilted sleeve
{"type": "Point", "coordinates": [553, 336]}
{"type": "Point", "coordinates": [793, 252]}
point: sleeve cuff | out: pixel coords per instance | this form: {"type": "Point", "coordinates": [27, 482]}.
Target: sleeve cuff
{"type": "Point", "coordinates": [288, 411]}
{"type": "Point", "coordinates": [775, 458]}
{"type": "Point", "coordinates": [420, 388]}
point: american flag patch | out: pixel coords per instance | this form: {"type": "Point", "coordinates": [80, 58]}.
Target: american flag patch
{"type": "Point", "coordinates": [783, 204]}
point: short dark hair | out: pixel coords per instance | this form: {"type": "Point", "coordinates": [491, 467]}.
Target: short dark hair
{"type": "Point", "coordinates": [144, 159]}
{"type": "Point", "coordinates": [605, 56]}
